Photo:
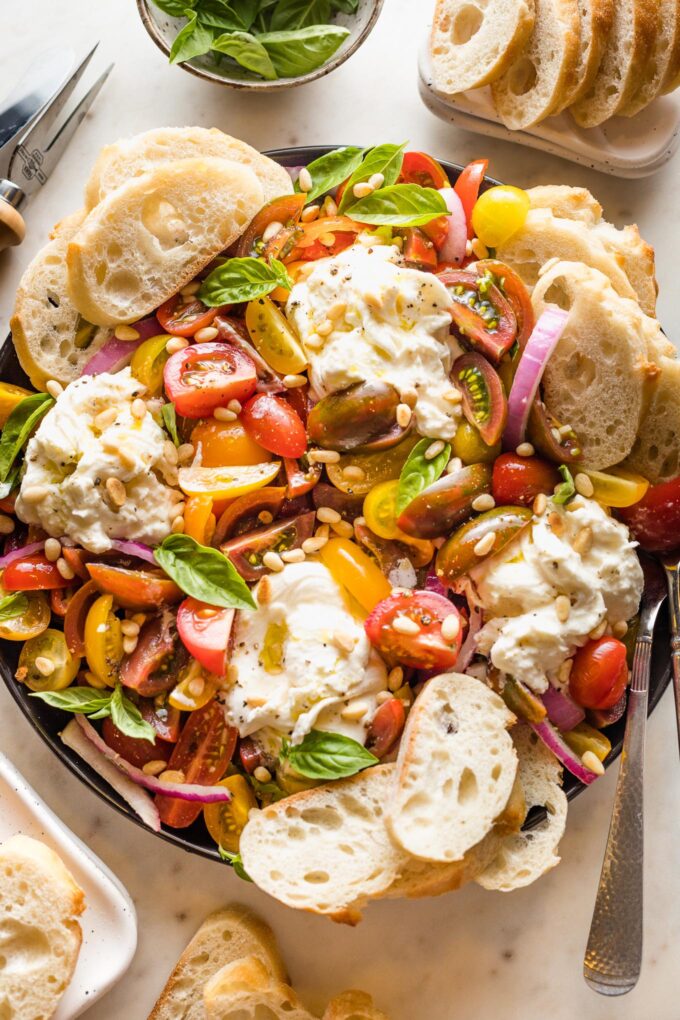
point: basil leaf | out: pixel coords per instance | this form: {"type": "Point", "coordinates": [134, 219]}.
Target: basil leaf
{"type": "Point", "coordinates": [418, 473]}
{"type": "Point", "coordinates": [331, 169]}
{"type": "Point", "coordinates": [18, 428]}
{"type": "Point", "coordinates": [169, 415]}
{"type": "Point", "coordinates": [346, 6]}
{"type": "Point", "coordinates": [12, 606]}
{"type": "Point", "coordinates": [243, 280]}
{"type": "Point", "coordinates": [399, 205]}
{"type": "Point", "coordinates": [84, 700]}
{"type": "Point", "coordinates": [175, 8]}
{"type": "Point", "coordinates": [126, 717]}
{"type": "Point", "coordinates": [567, 490]}
{"type": "Point", "coordinates": [324, 755]}
{"type": "Point", "coordinates": [192, 41]}
{"type": "Point", "coordinates": [203, 572]}
{"type": "Point", "coordinates": [227, 15]}
{"type": "Point", "coordinates": [236, 862]}
{"type": "Point", "coordinates": [294, 53]}
{"type": "Point", "coordinates": [384, 159]}
{"type": "Point", "coordinates": [247, 51]}
{"type": "Point", "coordinates": [300, 13]}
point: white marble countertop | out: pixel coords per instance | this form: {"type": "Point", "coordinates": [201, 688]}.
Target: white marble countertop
{"type": "Point", "coordinates": [473, 955]}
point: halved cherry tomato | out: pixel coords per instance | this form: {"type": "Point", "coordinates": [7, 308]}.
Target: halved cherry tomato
{"type": "Point", "coordinates": [103, 640]}
{"type": "Point", "coordinates": [226, 443]}
{"type": "Point", "coordinates": [200, 378]}
{"type": "Point", "coordinates": [32, 622]}
{"type": "Point", "coordinates": [76, 614]}
{"type": "Point", "coordinates": [51, 644]}
{"type": "Point", "coordinates": [194, 688]}
{"type": "Point", "coordinates": [471, 448]}
{"type": "Point", "coordinates": [358, 573]}
{"type": "Point", "coordinates": [467, 188]}
{"type": "Point", "coordinates": [499, 213]}
{"type": "Point", "coordinates": [599, 675]}
{"type": "Point", "coordinates": [436, 230]}
{"type": "Point", "coordinates": [419, 168]}
{"type": "Point", "coordinates": [375, 467]}
{"type": "Point", "coordinates": [135, 589]}
{"type": "Point", "coordinates": [205, 631]}
{"type": "Point", "coordinates": [518, 480]}
{"type": "Point", "coordinates": [512, 286]}
{"type": "Point", "coordinates": [481, 314]}
{"type": "Point", "coordinates": [617, 487]}
{"type": "Point", "coordinates": [272, 422]}
{"type": "Point", "coordinates": [419, 250]}
{"type": "Point", "coordinates": [165, 719]}
{"type": "Point", "coordinates": [246, 552]}
{"type": "Point", "coordinates": [32, 573]}
{"type": "Point", "coordinates": [325, 225]}
{"type": "Point", "coordinates": [654, 521]}
{"type": "Point", "coordinates": [484, 402]}
{"type": "Point", "coordinates": [151, 669]}
{"type": "Point", "coordinates": [548, 438]}
{"type": "Point", "coordinates": [243, 514]}
{"type": "Point", "coordinates": [457, 556]}
{"type": "Point", "coordinates": [426, 649]}
{"type": "Point", "coordinates": [273, 338]}
{"type": "Point", "coordinates": [77, 560]}
{"type": "Point", "coordinates": [148, 363]}
{"type": "Point", "coordinates": [8, 504]}
{"type": "Point", "coordinates": [285, 210]}
{"type": "Point", "coordinates": [202, 754]}
{"type": "Point", "coordinates": [135, 749]}
{"type": "Point", "coordinates": [10, 396]}
{"type": "Point", "coordinates": [199, 520]}
{"type": "Point", "coordinates": [250, 754]}
{"type": "Point", "coordinates": [445, 503]}
{"type": "Point", "coordinates": [380, 511]}
{"type": "Point", "coordinates": [317, 250]}
{"type": "Point", "coordinates": [185, 316]}
{"type": "Point", "coordinates": [386, 727]}
{"type": "Point", "coordinates": [227, 482]}
{"type": "Point", "coordinates": [226, 821]}
{"type": "Point", "coordinates": [300, 481]}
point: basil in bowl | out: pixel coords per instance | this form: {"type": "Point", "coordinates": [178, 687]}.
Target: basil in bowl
{"type": "Point", "coordinates": [259, 44]}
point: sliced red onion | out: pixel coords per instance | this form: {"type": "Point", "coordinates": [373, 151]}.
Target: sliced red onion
{"type": "Point", "coordinates": [571, 761]}
{"type": "Point", "coordinates": [562, 710]}
{"type": "Point", "coordinates": [18, 554]}
{"type": "Point", "coordinates": [181, 791]}
{"type": "Point", "coordinates": [432, 583]}
{"type": "Point", "coordinates": [454, 246]}
{"type": "Point", "coordinates": [138, 549]}
{"type": "Point", "coordinates": [535, 356]}
{"type": "Point", "coordinates": [469, 646]}
{"type": "Point", "coordinates": [294, 172]}
{"type": "Point", "coordinates": [114, 355]}
{"type": "Point", "coordinates": [601, 717]}
{"type": "Point", "coordinates": [148, 327]}
{"type": "Point", "coordinates": [140, 802]}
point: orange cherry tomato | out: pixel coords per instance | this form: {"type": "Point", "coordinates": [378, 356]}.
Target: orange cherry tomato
{"type": "Point", "coordinates": [599, 675]}
{"type": "Point", "coordinates": [226, 444]}
{"type": "Point", "coordinates": [467, 188]}
{"type": "Point", "coordinates": [205, 376]}
{"type": "Point", "coordinates": [32, 573]}
{"type": "Point", "coordinates": [285, 210]}
{"type": "Point", "coordinates": [273, 423]}
{"type": "Point", "coordinates": [197, 518]}
{"type": "Point", "coordinates": [185, 316]}
{"type": "Point", "coordinates": [135, 589]}
{"type": "Point", "coordinates": [355, 571]}
{"type": "Point", "coordinates": [419, 168]}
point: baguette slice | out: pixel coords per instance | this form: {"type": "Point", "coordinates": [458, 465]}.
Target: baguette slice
{"type": "Point", "coordinates": [525, 856]}
{"type": "Point", "coordinates": [153, 234]}
{"type": "Point", "coordinates": [225, 936]}
{"type": "Point", "coordinates": [325, 850]}
{"type": "Point", "coordinates": [132, 157]}
{"type": "Point", "coordinates": [596, 17]}
{"type": "Point", "coordinates": [656, 453]}
{"type": "Point", "coordinates": [39, 933]}
{"type": "Point", "coordinates": [353, 1005]}
{"type": "Point", "coordinates": [566, 203]}
{"type": "Point", "coordinates": [597, 376]}
{"type": "Point", "coordinates": [455, 771]}
{"type": "Point", "coordinates": [532, 87]}
{"type": "Point", "coordinates": [472, 43]}
{"type": "Point", "coordinates": [664, 57]}
{"type": "Point", "coordinates": [246, 990]}
{"type": "Point", "coordinates": [51, 338]}
{"type": "Point", "coordinates": [631, 40]}
{"type": "Point", "coordinates": [672, 80]}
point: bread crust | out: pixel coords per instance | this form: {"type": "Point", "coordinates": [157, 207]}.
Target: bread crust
{"type": "Point", "coordinates": [595, 18]}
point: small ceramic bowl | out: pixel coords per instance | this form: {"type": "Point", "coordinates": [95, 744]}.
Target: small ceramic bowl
{"type": "Point", "coordinates": [163, 29]}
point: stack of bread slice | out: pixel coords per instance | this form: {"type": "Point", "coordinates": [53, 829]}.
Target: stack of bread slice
{"type": "Point", "coordinates": [596, 58]}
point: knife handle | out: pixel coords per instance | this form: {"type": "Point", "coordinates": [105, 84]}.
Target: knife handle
{"type": "Point", "coordinates": [12, 226]}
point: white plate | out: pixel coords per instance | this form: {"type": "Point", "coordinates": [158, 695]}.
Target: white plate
{"type": "Point", "coordinates": [623, 146]}
{"type": "Point", "coordinates": [109, 922]}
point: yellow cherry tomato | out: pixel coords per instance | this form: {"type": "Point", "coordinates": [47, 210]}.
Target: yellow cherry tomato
{"type": "Point", "coordinates": [617, 487]}
{"type": "Point", "coordinates": [33, 621]}
{"type": "Point", "coordinates": [197, 518]}
{"type": "Point", "coordinates": [273, 338]}
{"type": "Point", "coordinates": [380, 511]}
{"type": "Point", "coordinates": [148, 363]}
{"type": "Point", "coordinates": [226, 443]}
{"type": "Point", "coordinates": [471, 448]}
{"type": "Point", "coordinates": [10, 396]}
{"type": "Point", "coordinates": [373, 467]}
{"type": "Point", "coordinates": [51, 647]}
{"type": "Point", "coordinates": [586, 738]}
{"type": "Point", "coordinates": [227, 482]}
{"type": "Point", "coordinates": [291, 781]}
{"type": "Point", "coordinates": [355, 571]}
{"type": "Point", "coordinates": [194, 690]}
{"type": "Point", "coordinates": [227, 820]}
{"type": "Point", "coordinates": [499, 213]}
{"type": "Point", "coordinates": [103, 640]}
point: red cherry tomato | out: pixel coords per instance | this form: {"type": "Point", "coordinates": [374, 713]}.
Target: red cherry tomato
{"type": "Point", "coordinates": [386, 727]}
{"type": "Point", "coordinates": [205, 632]}
{"type": "Point", "coordinates": [317, 250]}
{"type": "Point", "coordinates": [32, 573]}
{"type": "Point", "coordinates": [513, 288]}
{"type": "Point", "coordinates": [202, 753]}
{"type": "Point", "coordinates": [425, 648]}
{"type": "Point", "coordinates": [250, 755]}
{"type": "Point", "coordinates": [164, 717]}
{"type": "Point", "coordinates": [600, 673]}
{"type": "Point", "coordinates": [419, 168]}
{"type": "Point", "coordinates": [419, 250]}
{"type": "Point", "coordinates": [518, 480]}
{"type": "Point", "coordinates": [150, 669]}
{"type": "Point", "coordinates": [467, 188]}
{"type": "Point", "coordinates": [198, 379]}
{"type": "Point", "coordinates": [184, 317]}
{"type": "Point", "coordinates": [654, 521]}
{"type": "Point", "coordinates": [134, 589]}
{"type": "Point", "coordinates": [135, 750]}
{"type": "Point", "coordinates": [273, 423]}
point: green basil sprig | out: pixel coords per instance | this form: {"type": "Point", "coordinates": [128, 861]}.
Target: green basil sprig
{"type": "Point", "coordinates": [292, 14]}
{"type": "Point", "coordinates": [191, 41]}
{"type": "Point", "coordinates": [169, 415]}
{"type": "Point", "coordinates": [247, 51]}
{"type": "Point", "coordinates": [324, 755]}
{"type": "Point", "coordinates": [243, 280]}
{"type": "Point", "coordinates": [12, 606]}
{"type": "Point", "coordinates": [384, 159]}
{"type": "Point", "coordinates": [418, 473]}
{"type": "Point", "coordinates": [18, 428]}
{"type": "Point", "coordinates": [567, 490]}
{"type": "Point", "coordinates": [236, 861]}
{"type": "Point", "coordinates": [97, 704]}
{"type": "Point", "coordinates": [399, 205]}
{"type": "Point", "coordinates": [331, 169]}
{"type": "Point", "coordinates": [297, 52]}
{"type": "Point", "coordinates": [203, 572]}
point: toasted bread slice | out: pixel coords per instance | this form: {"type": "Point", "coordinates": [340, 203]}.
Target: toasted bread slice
{"type": "Point", "coordinates": [225, 936]}
{"type": "Point", "coordinates": [672, 80]}
{"type": "Point", "coordinates": [472, 43]}
{"type": "Point", "coordinates": [596, 379]}
{"type": "Point", "coordinates": [665, 53]}
{"type": "Point", "coordinates": [353, 1005]}
{"type": "Point", "coordinates": [532, 87]}
{"type": "Point", "coordinates": [525, 856]}
{"type": "Point", "coordinates": [595, 17]}
{"type": "Point", "coordinates": [51, 338]}
{"type": "Point", "coordinates": [626, 56]}
{"type": "Point", "coordinates": [566, 203]}
{"type": "Point", "coordinates": [455, 771]}
{"type": "Point", "coordinates": [656, 452]}
{"type": "Point", "coordinates": [39, 933]}
{"type": "Point", "coordinates": [132, 157]}
{"type": "Point", "coordinates": [246, 990]}
{"type": "Point", "coordinates": [153, 234]}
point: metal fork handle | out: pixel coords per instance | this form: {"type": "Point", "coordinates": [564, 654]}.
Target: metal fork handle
{"type": "Point", "coordinates": [673, 578]}
{"type": "Point", "coordinates": [614, 953]}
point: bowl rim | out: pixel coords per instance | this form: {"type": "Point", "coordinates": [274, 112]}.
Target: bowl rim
{"type": "Point", "coordinates": [278, 84]}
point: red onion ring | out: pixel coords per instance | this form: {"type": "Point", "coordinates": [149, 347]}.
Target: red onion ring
{"type": "Point", "coordinates": [562, 710]}
{"type": "Point", "coordinates": [571, 761]}
{"type": "Point", "coordinates": [535, 356]}
{"type": "Point", "coordinates": [138, 549]}
{"type": "Point", "coordinates": [18, 554]}
{"type": "Point", "coordinates": [114, 355]}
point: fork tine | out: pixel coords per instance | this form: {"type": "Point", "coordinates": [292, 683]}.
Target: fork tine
{"type": "Point", "coordinates": [55, 148]}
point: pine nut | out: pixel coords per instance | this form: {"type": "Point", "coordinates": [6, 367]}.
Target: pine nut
{"type": "Point", "coordinates": [583, 541]}
{"type": "Point", "coordinates": [116, 491]}
{"type": "Point", "coordinates": [343, 528]}
{"type": "Point", "coordinates": [129, 628]}
{"type": "Point", "coordinates": [172, 776]}
{"type": "Point", "coordinates": [52, 549]}
{"type": "Point", "coordinates": [310, 213]}
{"type": "Point", "coordinates": [271, 230]}
{"type": "Point", "coordinates": [404, 415]}
{"type": "Point", "coordinates": [362, 189]}
{"type": "Point", "coordinates": [189, 289]}
{"type": "Point", "coordinates": [139, 618]}
{"type": "Point", "coordinates": [293, 556]}
{"type": "Point", "coordinates": [175, 344]}
{"type": "Point", "coordinates": [540, 504]}
{"type": "Point", "coordinates": [329, 207]}
{"type": "Point", "coordinates": [450, 627]}
{"type": "Point", "coordinates": [126, 333]}
{"type": "Point", "coordinates": [314, 341]}
{"type": "Point", "coordinates": [196, 686]}
{"type": "Point", "coordinates": [54, 388]}
{"type": "Point", "coordinates": [453, 395]}
{"type": "Point", "coordinates": [205, 335]}
{"type": "Point", "coordinates": [155, 767]}
{"type": "Point", "coordinates": [327, 240]}
{"type": "Point", "coordinates": [129, 644]}
{"type": "Point", "coordinates": [327, 515]}
{"type": "Point", "coordinates": [455, 464]}
{"type": "Point", "coordinates": [562, 608]}
{"type": "Point", "coordinates": [434, 449]}
{"type": "Point", "coordinates": [484, 501]}
{"type": "Point", "coordinates": [323, 531]}
{"type": "Point", "coordinates": [405, 625]}
{"type": "Point", "coordinates": [376, 181]}
{"type": "Point", "coordinates": [525, 450]}
{"type": "Point", "coordinates": [345, 642]}
{"type": "Point", "coordinates": [620, 629]}
{"type": "Point", "coordinates": [177, 526]}
{"type": "Point", "coordinates": [337, 310]}
{"type": "Point", "coordinates": [224, 414]}
{"type": "Point", "coordinates": [583, 484]}
{"type": "Point", "coordinates": [138, 408]}
{"type": "Point", "coordinates": [66, 572]}
{"type": "Point", "coordinates": [44, 665]}
{"type": "Point", "coordinates": [272, 561]}
{"type": "Point", "coordinates": [6, 525]}
{"type": "Point", "coordinates": [325, 328]}
{"type": "Point", "coordinates": [262, 774]}
{"type": "Point", "coordinates": [564, 671]}
{"type": "Point", "coordinates": [305, 181]}
{"type": "Point", "coordinates": [355, 711]}
{"type": "Point", "coordinates": [382, 696]}
{"type": "Point", "coordinates": [556, 523]}
{"type": "Point", "coordinates": [395, 678]}
{"type": "Point", "coordinates": [291, 382]}
{"type": "Point", "coordinates": [127, 457]}
{"type": "Point", "coordinates": [313, 545]}
{"type": "Point", "coordinates": [485, 544]}
{"type": "Point", "coordinates": [592, 762]}
{"type": "Point", "coordinates": [235, 406]}
{"type": "Point", "coordinates": [323, 456]}
{"type": "Point", "coordinates": [34, 493]}
{"type": "Point", "coordinates": [597, 632]}
{"type": "Point", "coordinates": [170, 452]}
{"type": "Point", "coordinates": [479, 249]}
{"type": "Point", "coordinates": [185, 453]}
{"type": "Point", "coordinates": [353, 473]}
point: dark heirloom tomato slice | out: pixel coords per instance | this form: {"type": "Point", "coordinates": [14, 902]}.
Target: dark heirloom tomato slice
{"type": "Point", "coordinates": [76, 614]}
{"type": "Point", "coordinates": [599, 675]}
{"type": "Point", "coordinates": [484, 402]}
{"type": "Point", "coordinates": [242, 513]}
{"type": "Point", "coordinates": [347, 504]}
{"type": "Point", "coordinates": [425, 648]}
{"type": "Point", "coordinates": [481, 314]}
{"type": "Point", "coordinates": [200, 378]}
{"type": "Point", "coordinates": [363, 416]}
{"type": "Point", "coordinates": [543, 430]}
{"type": "Point", "coordinates": [202, 753]}
{"type": "Point", "coordinates": [152, 668]}
{"type": "Point", "coordinates": [446, 503]}
{"type": "Point", "coordinates": [467, 188]}
{"type": "Point", "coordinates": [205, 632]}
{"type": "Point", "coordinates": [654, 521]}
{"type": "Point", "coordinates": [32, 573]}
{"type": "Point", "coordinates": [134, 749]}
{"type": "Point", "coordinates": [300, 480]}
{"type": "Point", "coordinates": [457, 556]}
{"type": "Point", "coordinates": [518, 480]}
{"type": "Point", "coordinates": [419, 168]}
{"type": "Point", "coordinates": [511, 285]}
{"type": "Point", "coordinates": [386, 727]}
{"type": "Point", "coordinates": [419, 250]}
{"type": "Point", "coordinates": [185, 316]}
{"type": "Point", "coordinates": [285, 210]}
{"type": "Point", "coordinates": [246, 552]}
{"type": "Point", "coordinates": [272, 422]}
{"type": "Point", "coordinates": [135, 589]}
{"type": "Point", "coordinates": [250, 754]}
{"type": "Point", "coordinates": [164, 717]}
